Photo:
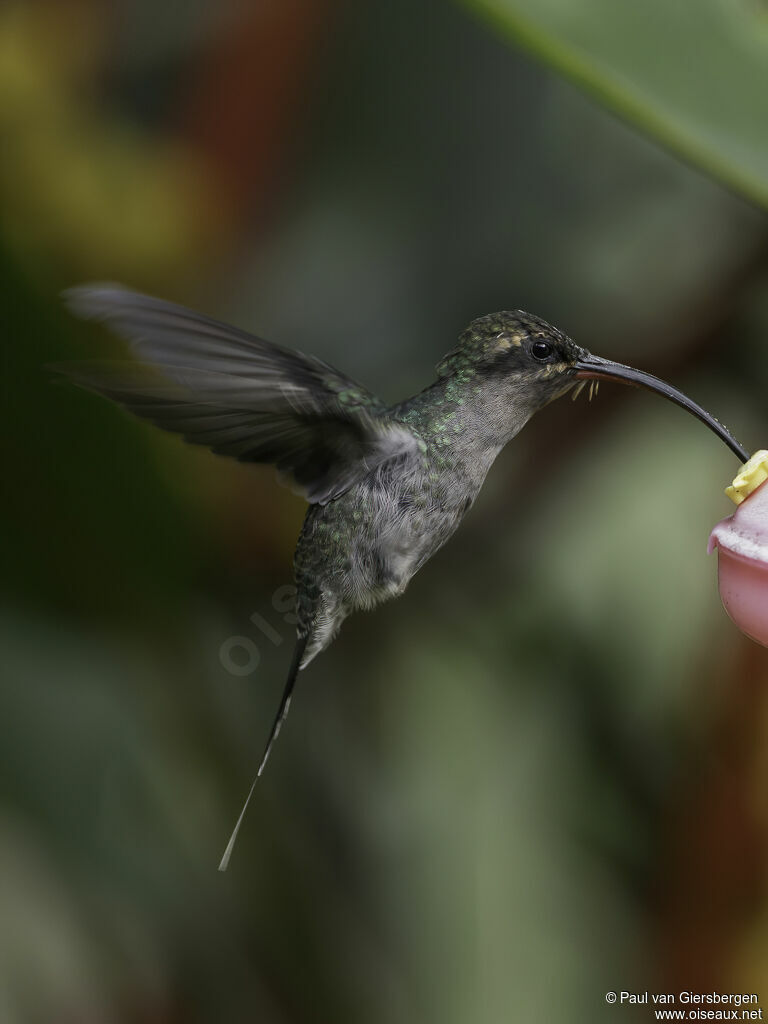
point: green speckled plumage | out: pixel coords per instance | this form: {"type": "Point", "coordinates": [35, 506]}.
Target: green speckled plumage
{"type": "Point", "coordinates": [366, 545]}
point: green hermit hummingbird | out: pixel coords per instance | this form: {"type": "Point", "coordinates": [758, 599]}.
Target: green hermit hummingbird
{"type": "Point", "coordinates": [387, 485]}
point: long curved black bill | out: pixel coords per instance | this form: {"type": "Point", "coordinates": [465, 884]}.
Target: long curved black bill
{"type": "Point", "coordinates": [594, 368]}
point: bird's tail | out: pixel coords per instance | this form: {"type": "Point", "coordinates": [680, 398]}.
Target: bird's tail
{"type": "Point", "coordinates": [282, 711]}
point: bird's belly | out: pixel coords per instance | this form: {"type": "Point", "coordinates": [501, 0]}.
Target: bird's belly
{"type": "Point", "coordinates": [366, 546]}
{"type": "Point", "coordinates": [395, 549]}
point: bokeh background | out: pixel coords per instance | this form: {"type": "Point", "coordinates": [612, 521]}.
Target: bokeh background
{"type": "Point", "coordinates": [542, 773]}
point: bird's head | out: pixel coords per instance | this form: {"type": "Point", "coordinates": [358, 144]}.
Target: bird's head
{"type": "Point", "coordinates": [537, 363]}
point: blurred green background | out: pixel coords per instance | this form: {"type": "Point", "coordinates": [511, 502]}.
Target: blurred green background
{"type": "Point", "coordinates": [542, 773]}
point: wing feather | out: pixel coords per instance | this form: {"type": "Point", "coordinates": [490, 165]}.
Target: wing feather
{"type": "Point", "coordinates": [239, 395]}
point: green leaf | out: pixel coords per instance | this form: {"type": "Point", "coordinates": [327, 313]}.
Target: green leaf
{"type": "Point", "coordinates": [691, 73]}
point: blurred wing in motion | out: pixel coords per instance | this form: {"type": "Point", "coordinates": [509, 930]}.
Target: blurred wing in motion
{"type": "Point", "coordinates": [238, 395]}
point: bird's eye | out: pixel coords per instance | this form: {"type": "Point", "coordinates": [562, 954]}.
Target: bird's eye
{"type": "Point", "coordinates": [541, 350]}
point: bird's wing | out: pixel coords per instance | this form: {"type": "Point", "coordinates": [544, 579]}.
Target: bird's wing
{"type": "Point", "coordinates": [238, 395]}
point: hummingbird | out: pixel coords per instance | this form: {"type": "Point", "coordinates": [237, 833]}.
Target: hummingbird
{"type": "Point", "coordinates": [387, 485]}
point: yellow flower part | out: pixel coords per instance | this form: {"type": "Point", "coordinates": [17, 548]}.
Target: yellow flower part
{"type": "Point", "coordinates": [750, 476]}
